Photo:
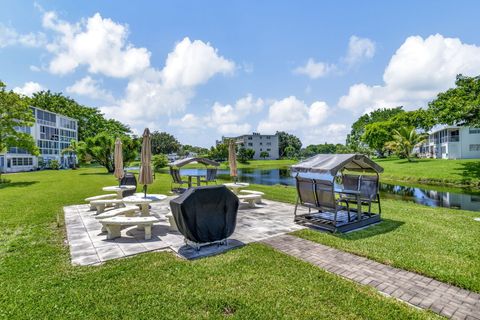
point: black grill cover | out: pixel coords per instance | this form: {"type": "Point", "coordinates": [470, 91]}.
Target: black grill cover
{"type": "Point", "coordinates": [205, 214]}
{"type": "Point", "coordinates": [128, 180]}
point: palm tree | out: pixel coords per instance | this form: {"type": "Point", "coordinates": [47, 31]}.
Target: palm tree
{"type": "Point", "coordinates": [72, 150]}
{"type": "Point", "coordinates": [404, 140]}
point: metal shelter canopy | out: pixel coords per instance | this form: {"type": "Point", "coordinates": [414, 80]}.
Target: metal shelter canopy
{"type": "Point", "coordinates": [182, 162]}
{"type": "Point", "coordinates": [332, 163]}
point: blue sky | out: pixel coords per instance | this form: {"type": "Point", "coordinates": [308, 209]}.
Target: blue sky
{"type": "Point", "coordinates": [200, 70]}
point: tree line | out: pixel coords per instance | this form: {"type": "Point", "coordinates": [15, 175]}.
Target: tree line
{"type": "Point", "coordinates": [396, 131]}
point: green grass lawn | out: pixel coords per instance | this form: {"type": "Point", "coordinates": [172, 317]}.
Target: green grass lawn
{"type": "Point", "coordinates": [464, 172]}
{"type": "Point", "coordinates": [438, 242]}
{"type": "Point", "coordinates": [252, 282]}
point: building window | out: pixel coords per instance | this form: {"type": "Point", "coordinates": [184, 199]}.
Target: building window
{"type": "Point", "coordinates": [261, 143]}
{"type": "Point", "coordinates": [44, 117]}
{"type": "Point", "coordinates": [48, 133]}
{"type": "Point", "coordinates": [269, 149]}
{"type": "Point", "coordinates": [474, 147]}
{"type": "Point", "coordinates": [444, 149]}
{"type": "Point", "coordinates": [474, 130]}
{"type": "Point", "coordinates": [249, 138]}
{"type": "Point", "coordinates": [268, 137]}
{"type": "Point", "coordinates": [269, 143]}
{"type": "Point", "coordinates": [21, 162]}
{"type": "Point", "coordinates": [250, 144]}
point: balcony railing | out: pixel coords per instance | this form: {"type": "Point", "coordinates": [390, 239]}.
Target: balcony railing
{"type": "Point", "coordinates": [445, 139]}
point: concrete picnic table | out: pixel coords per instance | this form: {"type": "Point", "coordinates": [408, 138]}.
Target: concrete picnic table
{"type": "Point", "coordinates": [236, 186]}
{"type": "Point", "coordinates": [119, 189]}
{"type": "Point", "coordinates": [144, 202]}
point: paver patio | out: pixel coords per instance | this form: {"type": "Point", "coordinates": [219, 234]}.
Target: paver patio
{"type": "Point", "coordinates": [420, 291]}
{"type": "Point", "coordinates": [89, 246]}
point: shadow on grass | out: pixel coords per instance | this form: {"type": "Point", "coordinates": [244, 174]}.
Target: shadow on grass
{"type": "Point", "coordinates": [17, 184]}
{"type": "Point", "coordinates": [385, 226]}
{"type": "Point", "coordinates": [95, 174]}
{"type": "Point", "coordinates": [470, 170]}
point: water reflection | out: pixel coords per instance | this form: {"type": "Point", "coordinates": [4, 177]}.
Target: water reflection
{"type": "Point", "coordinates": [429, 197]}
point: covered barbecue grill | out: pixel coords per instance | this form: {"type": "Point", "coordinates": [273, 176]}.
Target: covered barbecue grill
{"type": "Point", "coordinates": [205, 214]}
{"type": "Point", "coordinates": [338, 205]}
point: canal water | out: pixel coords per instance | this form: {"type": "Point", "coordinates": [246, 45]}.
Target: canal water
{"type": "Point", "coordinates": [425, 195]}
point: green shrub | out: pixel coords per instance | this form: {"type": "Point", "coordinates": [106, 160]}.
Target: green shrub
{"type": "Point", "coordinates": [159, 161]}
{"type": "Point", "coordinates": [54, 164]}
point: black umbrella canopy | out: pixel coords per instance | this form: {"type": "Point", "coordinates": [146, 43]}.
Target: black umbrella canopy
{"type": "Point", "coordinates": [182, 162]}
{"type": "Point", "coordinates": [332, 163]}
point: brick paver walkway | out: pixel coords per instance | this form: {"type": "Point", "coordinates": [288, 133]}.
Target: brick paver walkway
{"type": "Point", "coordinates": [420, 291]}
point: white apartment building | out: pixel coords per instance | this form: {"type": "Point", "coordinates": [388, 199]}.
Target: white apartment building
{"type": "Point", "coordinates": [52, 133]}
{"type": "Point", "coordinates": [259, 143]}
{"type": "Point", "coordinates": [451, 142]}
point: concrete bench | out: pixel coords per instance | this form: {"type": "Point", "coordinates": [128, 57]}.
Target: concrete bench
{"type": "Point", "coordinates": [100, 197]}
{"type": "Point", "coordinates": [128, 211]}
{"type": "Point", "coordinates": [100, 205]}
{"type": "Point", "coordinates": [251, 199]}
{"type": "Point", "coordinates": [260, 193]}
{"type": "Point", "coordinates": [114, 225]}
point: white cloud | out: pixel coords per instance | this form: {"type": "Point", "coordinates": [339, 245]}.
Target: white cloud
{"type": "Point", "coordinates": [10, 37]}
{"type": "Point", "coordinates": [359, 49]}
{"type": "Point", "coordinates": [90, 87]}
{"type": "Point", "coordinates": [416, 73]}
{"type": "Point", "coordinates": [156, 93]}
{"type": "Point", "coordinates": [193, 63]}
{"type": "Point", "coordinates": [331, 133]}
{"type": "Point", "coordinates": [226, 119]}
{"type": "Point", "coordinates": [314, 70]}
{"type": "Point", "coordinates": [292, 114]}
{"type": "Point", "coordinates": [29, 88]}
{"type": "Point", "coordinates": [100, 44]}
{"type": "Point", "coordinates": [188, 121]}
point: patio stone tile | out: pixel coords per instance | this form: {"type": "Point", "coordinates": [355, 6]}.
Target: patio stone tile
{"type": "Point", "coordinates": [86, 260]}
{"type": "Point", "coordinates": [130, 249]}
{"type": "Point", "coordinates": [253, 224]}
{"type": "Point", "coordinates": [84, 252]}
{"type": "Point", "coordinates": [82, 246]}
{"type": "Point", "coordinates": [109, 252]}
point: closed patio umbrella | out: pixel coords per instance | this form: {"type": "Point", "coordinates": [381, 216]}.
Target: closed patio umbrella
{"type": "Point", "coordinates": [118, 160]}
{"type": "Point", "coordinates": [232, 160]}
{"type": "Point", "coordinates": [146, 176]}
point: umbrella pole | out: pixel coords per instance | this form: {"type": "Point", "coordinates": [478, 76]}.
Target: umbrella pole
{"type": "Point", "coordinates": [144, 190]}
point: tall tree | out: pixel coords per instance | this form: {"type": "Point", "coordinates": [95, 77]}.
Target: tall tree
{"type": "Point", "coordinates": [164, 143]}
{"type": "Point", "coordinates": [72, 151]}
{"type": "Point", "coordinates": [354, 140]}
{"type": "Point", "coordinates": [377, 134]}
{"type": "Point", "coordinates": [90, 120]}
{"type": "Point", "coordinates": [286, 140]}
{"type": "Point", "coordinates": [459, 105]}
{"type": "Point", "coordinates": [101, 149]}
{"type": "Point", "coordinates": [404, 140]}
{"type": "Point", "coordinates": [14, 115]}
{"type": "Point", "coordinates": [219, 152]}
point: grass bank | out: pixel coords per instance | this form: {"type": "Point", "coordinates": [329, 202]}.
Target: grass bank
{"type": "Point", "coordinates": [251, 282]}
{"type": "Point", "coordinates": [438, 242]}
{"type": "Point", "coordinates": [460, 173]}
